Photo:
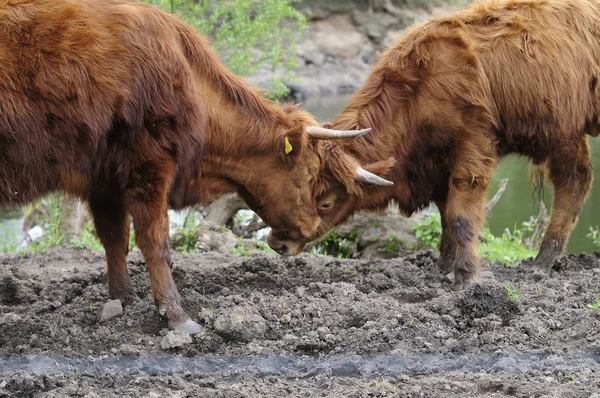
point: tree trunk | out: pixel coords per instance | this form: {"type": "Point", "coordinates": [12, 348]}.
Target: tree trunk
{"type": "Point", "coordinates": [224, 209]}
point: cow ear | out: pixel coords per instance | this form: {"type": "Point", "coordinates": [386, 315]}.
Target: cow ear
{"type": "Point", "coordinates": [292, 143]}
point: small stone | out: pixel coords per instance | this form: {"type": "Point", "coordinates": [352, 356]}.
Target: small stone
{"type": "Point", "coordinates": [175, 339]}
{"type": "Point", "coordinates": [109, 310]}
{"type": "Point", "coordinates": [323, 330]}
{"type": "Point", "coordinates": [285, 318]}
{"type": "Point", "coordinates": [240, 323]}
{"type": "Point", "coordinates": [289, 337]}
{"type": "Point", "coordinates": [369, 325]}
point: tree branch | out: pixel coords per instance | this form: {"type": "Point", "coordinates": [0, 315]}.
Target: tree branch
{"type": "Point", "coordinates": [496, 197]}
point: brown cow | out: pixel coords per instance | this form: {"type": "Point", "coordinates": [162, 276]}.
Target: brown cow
{"type": "Point", "coordinates": [454, 95]}
{"type": "Point", "coordinates": [128, 108]}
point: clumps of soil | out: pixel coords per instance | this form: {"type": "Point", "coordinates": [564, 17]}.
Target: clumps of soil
{"type": "Point", "coordinates": [482, 299]}
{"type": "Point", "coordinates": [301, 326]}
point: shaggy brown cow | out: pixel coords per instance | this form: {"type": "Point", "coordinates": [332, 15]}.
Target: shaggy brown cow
{"type": "Point", "coordinates": [126, 107]}
{"type": "Point", "coordinates": [454, 95]}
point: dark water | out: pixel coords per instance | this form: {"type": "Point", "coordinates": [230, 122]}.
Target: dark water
{"type": "Point", "coordinates": [517, 203]}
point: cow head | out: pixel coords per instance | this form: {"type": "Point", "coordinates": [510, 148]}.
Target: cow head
{"type": "Point", "coordinates": [333, 184]}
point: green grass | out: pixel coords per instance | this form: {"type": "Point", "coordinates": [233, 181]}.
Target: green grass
{"type": "Point", "coordinates": [393, 244]}
{"type": "Point", "coordinates": [241, 250]}
{"type": "Point", "coordinates": [595, 306]}
{"type": "Point", "coordinates": [513, 292]}
{"type": "Point", "coordinates": [87, 239]}
{"type": "Point", "coordinates": [503, 249]}
{"type": "Point", "coordinates": [53, 235]}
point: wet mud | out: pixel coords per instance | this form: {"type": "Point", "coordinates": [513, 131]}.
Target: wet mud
{"type": "Point", "coordinates": [305, 326]}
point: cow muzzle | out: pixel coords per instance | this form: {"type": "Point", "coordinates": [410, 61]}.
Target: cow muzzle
{"type": "Point", "coordinates": [285, 247]}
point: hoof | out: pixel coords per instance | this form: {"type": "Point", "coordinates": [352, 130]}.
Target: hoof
{"type": "Point", "coordinates": [541, 267]}
{"type": "Point", "coordinates": [443, 265]}
{"type": "Point", "coordinates": [188, 326]}
{"type": "Point", "coordinates": [125, 297]}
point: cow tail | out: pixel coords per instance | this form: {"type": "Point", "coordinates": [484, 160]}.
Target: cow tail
{"type": "Point", "coordinates": [537, 178]}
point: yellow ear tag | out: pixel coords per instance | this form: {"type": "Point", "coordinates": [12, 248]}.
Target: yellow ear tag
{"type": "Point", "coordinates": [288, 146]}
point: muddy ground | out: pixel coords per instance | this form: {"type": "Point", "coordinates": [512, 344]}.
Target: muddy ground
{"type": "Point", "coordinates": [300, 327]}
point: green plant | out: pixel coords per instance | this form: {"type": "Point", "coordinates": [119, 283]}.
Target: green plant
{"type": "Point", "coordinates": [429, 231]}
{"type": "Point", "coordinates": [240, 250]}
{"type": "Point", "coordinates": [337, 245]}
{"type": "Point", "coordinates": [53, 235]}
{"type": "Point", "coordinates": [393, 244]}
{"type": "Point", "coordinates": [87, 239]}
{"type": "Point", "coordinates": [595, 306]}
{"type": "Point", "coordinates": [513, 292]}
{"type": "Point", "coordinates": [594, 235]}
{"type": "Point", "coordinates": [185, 240]}
{"type": "Point", "coordinates": [8, 245]}
{"type": "Point", "coordinates": [246, 33]}
{"type": "Point", "coordinates": [506, 249]}
{"type": "Point", "coordinates": [569, 377]}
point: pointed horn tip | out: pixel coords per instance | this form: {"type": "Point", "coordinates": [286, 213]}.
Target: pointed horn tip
{"type": "Point", "coordinates": [370, 178]}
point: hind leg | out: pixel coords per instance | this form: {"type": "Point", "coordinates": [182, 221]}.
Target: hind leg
{"type": "Point", "coordinates": [570, 171]}
{"type": "Point", "coordinates": [112, 227]}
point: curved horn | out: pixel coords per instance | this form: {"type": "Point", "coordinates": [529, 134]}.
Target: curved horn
{"type": "Point", "coordinates": [363, 175]}
{"type": "Point", "coordinates": [328, 134]}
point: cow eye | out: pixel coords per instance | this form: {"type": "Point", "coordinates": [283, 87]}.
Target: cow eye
{"type": "Point", "coordinates": [325, 207]}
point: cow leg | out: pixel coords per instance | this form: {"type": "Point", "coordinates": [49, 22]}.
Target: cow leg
{"type": "Point", "coordinates": [151, 223]}
{"type": "Point", "coordinates": [472, 164]}
{"type": "Point", "coordinates": [112, 228]}
{"type": "Point", "coordinates": [447, 245]}
{"type": "Point", "coordinates": [570, 171]}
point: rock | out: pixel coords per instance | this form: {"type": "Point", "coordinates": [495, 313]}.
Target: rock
{"type": "Point", "coordinates": [241, 323]}
{"type": "Point", "coordinates": [375, 24]}
{"type": "Point", "coordinates": [390, 37]}
{"type": "Point", "coordinates": [109, 310]}
{"type": "Point", "coordinates": [336, 37]}
{"type": "Point", "coordinates": [311, 53]}
{"type": "Point", "coordinates": [175, 339]}
{"type": "Point", "coordinates": [318, 9]}
{"type": "Point", "coordinates": [379, 235]}
{"type": "Point", "coordinates": [205, 238]}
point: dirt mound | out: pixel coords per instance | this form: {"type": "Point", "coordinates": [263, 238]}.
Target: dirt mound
{"type": "Point", "coordinates": [302, 326]}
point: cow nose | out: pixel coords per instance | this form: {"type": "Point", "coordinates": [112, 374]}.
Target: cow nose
{"type": "Point", "coordinates": [282, 249]}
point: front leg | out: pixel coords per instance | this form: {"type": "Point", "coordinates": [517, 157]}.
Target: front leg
{"type": "Point", "coordinates": [151, 223]}
{"type": "Point", "coordinates": [471, 170]}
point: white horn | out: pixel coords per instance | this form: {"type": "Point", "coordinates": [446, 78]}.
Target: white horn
{"type": "Point", "coordinates": [328, 134]}
{"type": "Point", "coordinates": [370, 178]}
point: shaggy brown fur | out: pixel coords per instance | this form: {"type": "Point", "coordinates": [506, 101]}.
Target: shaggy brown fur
{"type": "Point", "coordinates": [126, 107]}
{"type": "Point", "coordinates": [455, 94]}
